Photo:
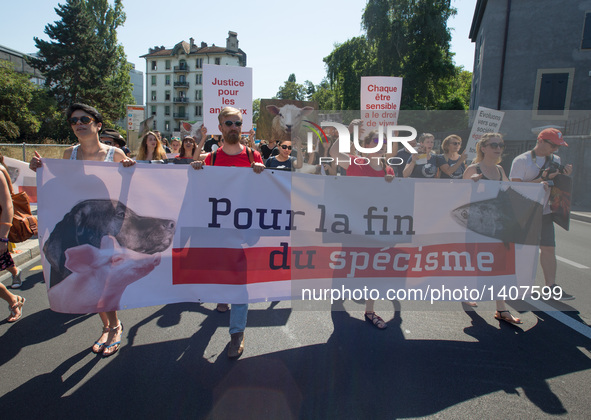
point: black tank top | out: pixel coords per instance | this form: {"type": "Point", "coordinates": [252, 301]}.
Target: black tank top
{"type": "Point", "coordinates": [479, 172]}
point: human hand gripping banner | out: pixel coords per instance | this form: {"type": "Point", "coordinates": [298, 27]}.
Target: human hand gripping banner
{"type": "Point", "coordinates": [115, 238]}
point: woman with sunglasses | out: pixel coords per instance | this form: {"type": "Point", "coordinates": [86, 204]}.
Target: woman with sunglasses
{"type": "Point", "coordinates": [424, 163]}
{"type": "Point", "coordinates": [284, 161]}
{"type": "Point", "coordinates": [489, 150]}
{"type": "Point", "coordinates": [151, 148]}
{"type": "Point", "coordinates": [373, 165]}
{"type": "Point", "coordinates": [451, 163]}
{"type": "Point", "coordinates": [86, 122]}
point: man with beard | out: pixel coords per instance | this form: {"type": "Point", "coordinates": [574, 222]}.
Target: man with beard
{"type": "Point", "coordinates": [232, 153]}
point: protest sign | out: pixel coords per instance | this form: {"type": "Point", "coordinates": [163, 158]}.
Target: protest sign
{"type": "Point", "coordinates": [380, 100]}
{"type": "Point", "coordinates": [226, 86]}
{"type": "Point", "coordinates": [486, 121]}
{"type": "Point", "coordinates": [23, 179]}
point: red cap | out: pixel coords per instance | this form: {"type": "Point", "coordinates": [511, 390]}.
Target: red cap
{"type": "Point", "coordinates": [553, 135]}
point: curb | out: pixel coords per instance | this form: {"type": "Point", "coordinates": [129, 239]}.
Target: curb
{"type": "Point", "coordinates": [582, 217]}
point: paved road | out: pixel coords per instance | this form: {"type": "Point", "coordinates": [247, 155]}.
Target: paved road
{"type": "Point", "coordinates": [437, 362]}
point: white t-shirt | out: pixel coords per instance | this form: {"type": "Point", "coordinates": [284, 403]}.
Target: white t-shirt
{"type": "Point", "coordinates": [524, 167]}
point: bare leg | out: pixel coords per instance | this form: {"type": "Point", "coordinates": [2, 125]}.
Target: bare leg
{"type": "Point", "coordinates": [548, 263]}
{"type": "Point", "coordinates": [115, 332]}
{"type": "Point", "coordinates": [100, 343]}
{"type": "Point", "coordinates": [12, 300]}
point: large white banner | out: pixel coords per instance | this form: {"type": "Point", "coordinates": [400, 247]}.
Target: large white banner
{"type": "Point", "coordinates": [226, 86]}
{"type": "Point", "coordinates": [116, 238]}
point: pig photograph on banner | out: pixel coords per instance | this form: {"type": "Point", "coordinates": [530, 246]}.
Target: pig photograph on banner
{"type": "Point", "coordinates": [281, 119]}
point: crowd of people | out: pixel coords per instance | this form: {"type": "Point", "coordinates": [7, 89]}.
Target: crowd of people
{"type": "Point", "coordinates": [234, 149]}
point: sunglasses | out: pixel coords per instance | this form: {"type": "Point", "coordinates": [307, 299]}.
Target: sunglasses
{"type": "Point", "coordinates": [236, 123]}
{"type": "Point", "coordinates": [84, 120]}
{"type": "Point", "coordinates": [284, 147]}
{"type": "Point", "coordinates": [496, 145]}
{"type": "Point", "coordinates": [107, 142]}
{"type": "Point", "coordinates": [554, 146]}
{"type": "Point", "coordinates": [455, 143]}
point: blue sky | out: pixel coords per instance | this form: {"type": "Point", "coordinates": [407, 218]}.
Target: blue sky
{"type": "Point", "coordinates": [278, 39]}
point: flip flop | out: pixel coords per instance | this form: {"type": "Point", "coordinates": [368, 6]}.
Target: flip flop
{"type": "Point", "coordinates": [116, 344]}
{"type": "Point", "coordinates": [512, 320]}
{"type": "Point", "coordinates": [100, 345]}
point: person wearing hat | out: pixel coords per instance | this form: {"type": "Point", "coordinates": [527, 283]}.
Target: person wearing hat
{"type": "Point", "coordinates": [112, 137]}
{"type": "Point", "coordinates": [538, 165]}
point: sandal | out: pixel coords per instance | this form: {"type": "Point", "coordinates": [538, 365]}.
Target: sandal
{"type": "Point", "coordinates": [98, 346]}
{"type": "Point", "coordinates": [16, 280]}
{"type": "Point", "coordinates": [510, 319]}
{"type": "Point", "coordinates": [20, 301]}
{"type": "Point", "coordinates": [116, 344]}
{"type": "Point", "coordinates": [375, 320]}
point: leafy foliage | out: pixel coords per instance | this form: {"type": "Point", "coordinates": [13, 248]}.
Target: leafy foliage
{"type": "Point", "coordinates": [292, 90]}
{"type": "Point", "coordinates": [83, 62]}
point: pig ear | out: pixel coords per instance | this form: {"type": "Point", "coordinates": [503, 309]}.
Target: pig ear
{"type": "Point", "coordinates": [109, 242]}
{"type": "Point", "coordinates": [273, 109]}
{"type": "Point", "coordinates": [80, 258]}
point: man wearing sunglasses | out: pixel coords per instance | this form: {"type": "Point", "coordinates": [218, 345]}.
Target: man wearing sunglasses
{"type": "Point", "coordinates": [232, 153]}
{"type": "Point", "coordinates": [539, 165]}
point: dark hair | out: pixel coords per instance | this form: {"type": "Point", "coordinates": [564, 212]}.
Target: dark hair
{"type": "Point", "coordinates": [98, 118]}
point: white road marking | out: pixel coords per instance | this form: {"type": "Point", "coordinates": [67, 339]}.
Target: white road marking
{"type": "Point", "coordinates": [574, 264]}
{"type": "Point", "coordinates": [561, 317]}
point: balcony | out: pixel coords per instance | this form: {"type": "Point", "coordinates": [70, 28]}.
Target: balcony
{"type": "Point", "coordinates": [180, 100]}
{"type": "Point", "coordinates": [181, 69]}
{"type": "Point", "coordinates": [180, 116]}
{"type": "Point", "coordinates": [181, 85]}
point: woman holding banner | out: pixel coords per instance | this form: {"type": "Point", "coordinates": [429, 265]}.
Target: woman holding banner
{"type": "Point", "coordinates": [450, 162]}
{"type": "Point", "coordinates": [489, 150]}
{"type": "Point", "coordinates": [86, 123]}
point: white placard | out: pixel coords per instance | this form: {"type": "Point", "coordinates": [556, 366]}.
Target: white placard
{"type": "Point", "coordinates": [226, 86]}
{"type": "Point", "coordinates": [487, 121]}
{"type": "Point", "coordinates": [135, 115]}
{"type": "Point", "coordinates": [380, 100]}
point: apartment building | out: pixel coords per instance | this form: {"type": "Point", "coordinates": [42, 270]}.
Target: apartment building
{"type": "Point", "coordinates": [174, 80]}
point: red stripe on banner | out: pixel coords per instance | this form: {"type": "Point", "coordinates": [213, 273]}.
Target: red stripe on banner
{"type": "Point", "coordinates": [268, 264]}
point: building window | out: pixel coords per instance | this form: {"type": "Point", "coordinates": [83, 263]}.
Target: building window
{"type": "Point", "coordinates": [167, 66]}
{"type": "Point", "coordinates": [154, 125]}
{"type": "Point", "coordinates": [154, 66]}
{"type": "Point", "coordinates": [553, 92]}
{"type": "Point", "coordinates": [167, 110]}
{"type": "Point", "coordinates": [198, 63]}
{"type": "Point", "coordinates": [218, 61]}
{"type": "Point", "coordinates": [198, 95]}
{"type": "Point", "coordinates": [153, 109]}
{"type": "Point", "coordinates": [153, 95]}
{"type": "Point", "coordinates": [166, 125]}
{"type": "Point", "coordinates": [182, 64]}
{"type": "Point", "coordinates": [182, 78]}
{"type": "Point", "coordinates": [153, 80]}
{"type": "Point", "coordinates": [586, 42]}
{"type": "Point", "coordinates": [198, 111]}
{"type": "Point", "coordinates": [198, 78]}
{"type": "Point", "coordinates": [167, 95]}
{"type": "Point", "coordinates": [167, 79]}
{"type": "Point", "coordinates": [182, 112]}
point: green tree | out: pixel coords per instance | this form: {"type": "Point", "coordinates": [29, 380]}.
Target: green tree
{"type": "Point", "coordinates": [292, 90]}
{"type": "Point", "coordinates": [16, 95]}
{"type": "Point", "coordinates": [324, 96]}
{"type": "Point", "coordinates": [411, 39]}
{"type": "Point", "coordinates": [83, 62]}
{"type": "Point", "coordinates": [256, 110]}
{"type": "Point", "coordinates": [345, 66]}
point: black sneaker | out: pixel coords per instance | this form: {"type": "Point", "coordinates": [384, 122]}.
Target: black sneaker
{"type": "Point", "coordinates": [565, 296]}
